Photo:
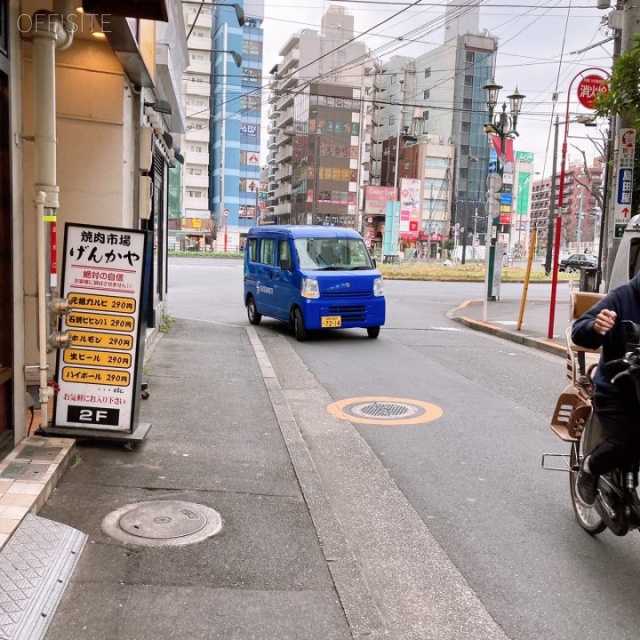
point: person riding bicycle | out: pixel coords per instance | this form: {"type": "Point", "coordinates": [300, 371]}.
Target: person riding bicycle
{"type": "Point", "coordinates": [615, 405]}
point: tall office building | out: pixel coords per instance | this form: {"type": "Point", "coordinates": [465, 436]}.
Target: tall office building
{"type": "Point", "coordinates": [236, 101]}
{"type": "Point", "coordinates": [440, 93]}
{"type": "Point", "coordinates": [222, 96]}
{"type": "Point", "coordinates": [318, 126]}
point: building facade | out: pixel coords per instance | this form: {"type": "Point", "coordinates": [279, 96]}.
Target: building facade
{"type": "Point", "coordinates": [96, 137]}
{"type": "Point", "coordinates": [317, 130]}
{"type": "Point", "coordinates": [236, 130]}
{"type": "Point", "coordinates": [441, 93]}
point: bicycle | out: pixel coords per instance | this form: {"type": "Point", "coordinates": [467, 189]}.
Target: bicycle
{"type": "Point", "coordinates": [617, 506]}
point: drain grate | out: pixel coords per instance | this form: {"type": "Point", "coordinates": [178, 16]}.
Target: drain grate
{"type": "Point", "coordinates": [384, 410]}
{"type": "Point", "coordinates": [162, 523]}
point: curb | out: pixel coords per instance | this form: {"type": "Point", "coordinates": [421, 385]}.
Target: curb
{"type": "Point", "coordinates": [539, 343]}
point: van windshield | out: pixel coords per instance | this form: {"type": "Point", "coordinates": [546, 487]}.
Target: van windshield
{"type": "Point", "coordinates": [332, 254]}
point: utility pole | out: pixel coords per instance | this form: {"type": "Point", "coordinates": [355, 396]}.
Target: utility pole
{"type": "Point", "coordinates": [627, 15]}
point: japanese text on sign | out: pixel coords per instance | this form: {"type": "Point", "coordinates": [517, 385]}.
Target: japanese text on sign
{"type": "Point", "coordinates": [102, 281]}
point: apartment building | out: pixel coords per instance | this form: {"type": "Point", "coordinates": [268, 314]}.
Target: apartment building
{"type": "Point", "coordinates": [222, 100]}
{"type": "Point", "coordinates": [440, 93]}
{"type": "Point", "coordinates": [318, 161]}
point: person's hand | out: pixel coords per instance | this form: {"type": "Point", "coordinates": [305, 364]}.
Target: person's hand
{"type": "Point", "coordinates": [605, 321]}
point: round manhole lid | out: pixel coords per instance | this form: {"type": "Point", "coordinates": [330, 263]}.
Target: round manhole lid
{"type": "Point", "coordinates": [162, 523]}
{"type": "Point", "coordinates": [163, 519]}
{"type": "Point", "coordinates": [384, 410]}
{"type": "Point", "coordinates": [376, 410]}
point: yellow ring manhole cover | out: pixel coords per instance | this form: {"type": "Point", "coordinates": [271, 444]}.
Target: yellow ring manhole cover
{"type": "Point", "coordinates": [384, 411]}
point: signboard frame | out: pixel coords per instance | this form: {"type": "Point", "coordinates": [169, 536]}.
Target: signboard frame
{"type": "Point", "coordinates": [99, 377]}
{"type": "Point", "coordinates": [624, 169]}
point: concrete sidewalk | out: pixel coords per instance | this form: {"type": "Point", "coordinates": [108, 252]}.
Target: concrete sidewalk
{"type": "Point", "coordinates": [215, 444]}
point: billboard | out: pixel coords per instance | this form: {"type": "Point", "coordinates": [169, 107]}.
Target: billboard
{"type": "Point", "coordinates": [376, 198]}
{"type": "Point", "coordinates": [410, 202]}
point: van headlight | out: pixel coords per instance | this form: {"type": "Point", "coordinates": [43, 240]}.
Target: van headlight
{"type": "Point", "coordinates": [378, 287]}
{"type": "Point", "coordinates": [310, 288]}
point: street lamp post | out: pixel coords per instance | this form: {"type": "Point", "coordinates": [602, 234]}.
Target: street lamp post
{"type": "Point", "coordinates": [504, 126]}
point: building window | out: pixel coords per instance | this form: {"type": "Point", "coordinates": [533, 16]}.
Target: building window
{"type": "Point", "coordinates": [470, 56]}
{"type": "Point", "coordinates": [466, 127]}
{"type": "Point", "coordinates": [427, 72]}
{"type": "Point", "coordinates": [195, 194]}
{"type": "Point", "coordinates": [196, 148]}
{"type": "Point", "coordinates": [425, 94]}
{"type": "Point", "coordinates": [466, 104]}
{"type": "Point", "coordinates": [425, 115]}
{"type": "Point", "coordinates": [464, 150]}
{"type": "Point", "coordinates": [468, 81]}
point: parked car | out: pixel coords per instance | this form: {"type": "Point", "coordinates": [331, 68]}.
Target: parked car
{"type": "Point", "coordinates": [574, 262]}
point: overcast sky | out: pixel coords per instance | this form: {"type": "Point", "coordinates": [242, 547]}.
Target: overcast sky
{"type": "Point", "coordinates": [538, 41]}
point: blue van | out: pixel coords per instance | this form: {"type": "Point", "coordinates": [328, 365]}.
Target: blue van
{"type": "Point", "coordinates": [312, 277]}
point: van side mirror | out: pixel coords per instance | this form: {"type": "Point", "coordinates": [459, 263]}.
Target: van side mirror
{"type": "Point", "coordinates": [285, 265]}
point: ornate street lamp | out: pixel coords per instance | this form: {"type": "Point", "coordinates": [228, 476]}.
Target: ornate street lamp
{"type": "Point", "coordinates": [503, 125]}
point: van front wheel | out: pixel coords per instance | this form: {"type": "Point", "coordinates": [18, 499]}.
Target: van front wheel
{"type": "Point", "coordinates": [298, 325]}
{"type": "Point", "coordinates": [373, 332]}
{"type": "Point", "coordinates": [252, 312]}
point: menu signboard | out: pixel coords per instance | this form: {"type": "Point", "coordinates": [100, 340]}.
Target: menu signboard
{"type": "Point", "coordinates": [98, 376]}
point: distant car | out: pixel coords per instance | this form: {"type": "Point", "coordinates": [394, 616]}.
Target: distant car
{"type": "Point", "coordinates": [575, 262]}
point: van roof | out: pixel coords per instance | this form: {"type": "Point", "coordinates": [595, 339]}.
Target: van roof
{"type": "Point", "coordinates": [304, 231]}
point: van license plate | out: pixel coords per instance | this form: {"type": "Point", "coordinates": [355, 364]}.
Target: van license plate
{"type": "Point", "coordinates": [331, 321]}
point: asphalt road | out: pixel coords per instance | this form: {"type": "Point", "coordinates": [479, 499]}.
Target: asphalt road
{"type": "Point", "coordinates": [473, 476]}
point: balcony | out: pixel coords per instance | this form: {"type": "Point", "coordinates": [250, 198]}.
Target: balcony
{"type": "Point", "coordinates": [197, 88]}
{"type": "Point", "coordinates": [199, 66]}
{"type": "Point", "coordinates": [291, 60]}
{"type": "Point", "coordinates": [284, 101]}
{"type": "Point", "coordinates": [283, 191]}
{"type": "Point", "coordinates": [284, 153]}
{"type": "Point", "coordinates": [282, 138]}
{"type": "Point", "coordinates": [284, 171]}
{"type": "Point", "coordinates": [290, 81]}
{"type": "Point", "coordinates": [281, 209]}
{"type": "Point", "coordinates": [191, 181]}
{"type": "Point", "coordinates": [286, 116]}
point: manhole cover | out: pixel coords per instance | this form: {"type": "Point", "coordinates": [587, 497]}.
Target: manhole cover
{"type": "Point", "coordinates": [384, 410]}
{"type": "Point", "coordinates": [162, 523]}
{"type": "Point", "coordinates": [377, 410]}
{"type": "Point", "coordinates": [162, 520]}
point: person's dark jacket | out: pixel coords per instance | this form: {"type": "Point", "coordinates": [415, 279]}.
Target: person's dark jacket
{"type": "Point", "coordinates": [625, 301]}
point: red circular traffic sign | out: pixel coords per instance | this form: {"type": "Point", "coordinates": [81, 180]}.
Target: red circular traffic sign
{"type": "Point", "coordinates": [590, 88]}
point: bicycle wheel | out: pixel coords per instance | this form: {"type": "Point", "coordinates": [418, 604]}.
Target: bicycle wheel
{"type": "Point", "coordinates": [588, 518]}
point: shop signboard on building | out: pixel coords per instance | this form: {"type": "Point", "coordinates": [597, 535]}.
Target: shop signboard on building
{"type": "Point", "coordinates": [409, 208]}
{"type": "Point", "coordinates": [376, 199]}
{"type": "Point", "coordinates": [99, 375]}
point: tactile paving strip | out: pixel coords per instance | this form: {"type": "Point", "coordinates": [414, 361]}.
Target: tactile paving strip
{"type": "Point", "coordinates": [35, 568]}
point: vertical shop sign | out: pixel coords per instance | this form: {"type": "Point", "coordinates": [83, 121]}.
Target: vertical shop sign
{"type": "Point", "coordinates": [98, 375]}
